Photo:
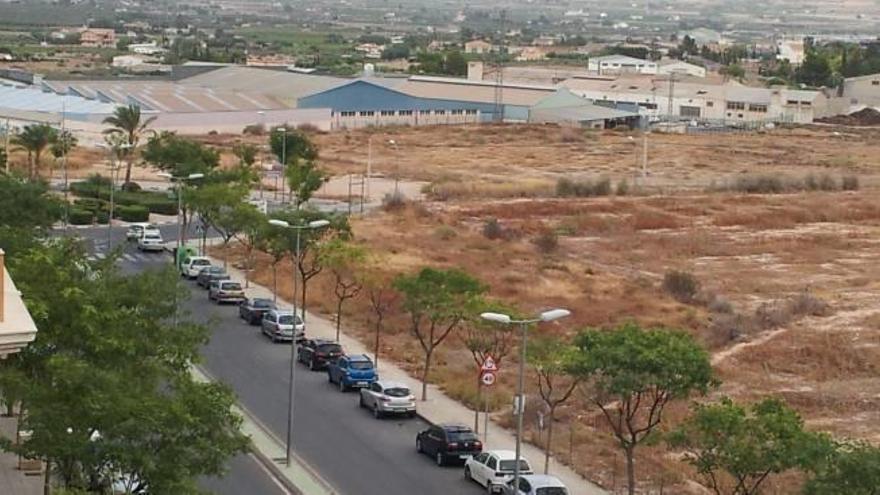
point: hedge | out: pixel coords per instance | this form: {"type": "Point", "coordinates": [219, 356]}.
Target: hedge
{"type": "Point", "coordinates": [92, 204]}
{"type": "Point", "coordinates": [78, 216]}
{"type": "Point", "coordinates": [102, 217]}
{"type": "Point", "coordinates": [155, 202]}
{"type": "Point", "coordinates": [132, 213]}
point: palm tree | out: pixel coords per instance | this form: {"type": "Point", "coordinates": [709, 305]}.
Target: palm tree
{"type": "Point", "coordinates": [127, 121]}
{"type": "Point", "coordinates": [34, 139]}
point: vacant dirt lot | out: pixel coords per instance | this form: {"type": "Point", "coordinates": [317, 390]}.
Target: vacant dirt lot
{"type": "Point", "coordinates": [788, 282]}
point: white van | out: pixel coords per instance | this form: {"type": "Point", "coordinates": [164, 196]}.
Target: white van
{"type": "Point", "coordinates": [192, 265]}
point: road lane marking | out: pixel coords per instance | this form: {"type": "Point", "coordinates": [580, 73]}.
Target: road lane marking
{"type": "Point", "coordinates": [270, 474]}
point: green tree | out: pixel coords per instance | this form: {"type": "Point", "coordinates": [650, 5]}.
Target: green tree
{"type": "Point", "coordinates": [298, 146]}
{"type": "Point", "coordinates": [456, 64]}
{"type": "Point", "coordinates": [381, 296]}
{"type": "Point", "coordinates": [246, 154]}
{"type": "Point", "coordinates": [179, 156]}
{"type": "Point", "coordinates": [344, 259]}
{"type": "Point", "coordinates": [4, 157]}
{"type": "Point", "coordinates": [735, 71]}
{"type": "Point", "coordinates": [63, 144]}
{"type": "Point", "coordinates": [394, 52]}
{"type": "Point", "coordinates": [253, 235]}
{"type": "Point", "coordinates": [736, 448]}
{"type": "Point", "coordinates": [221, 206]}
{"type": "Point", "coordinates": [304, 179]}
{"type": "Point", "coordinates": [437, 301]}
{"type": "Point", "coordinates": [128, 122]}
{"type": "Point", "coordinates": [34, 139]}
{"type": "Point", "coordinates": [551, 357]}
{"type": "Point", "coordinates": [634, 373]}
{"type": "Point", "coordinates": [853, 469]}
{"type": "Point", "coordinates": [815, 71]}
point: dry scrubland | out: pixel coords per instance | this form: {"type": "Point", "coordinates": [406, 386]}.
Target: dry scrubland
{"type": "Point", "coordinates": [788, 283]}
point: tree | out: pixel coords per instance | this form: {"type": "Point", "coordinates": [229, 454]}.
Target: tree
{"type": "Point", "coordinates": [4, 157]}
{"type": "Point", "coordinates": [456, 64]}
{"type": "Point", "coordinates": [437, 301]}
{"type": "Point", "coordinates": [34, 139]}
{"type": "Point", "coordinates": [298, 145]}
{"type": "Point", "coordinates": [128, 122]}
{"type": "Point", "coordinates": [246, 154]}
{"type": "Point", "coordinates": [344, 259]}
{"type": "Point", "coordinates": [815, 71]}
{"type": "Point", "coordinates": [64, 142]}
{"type": "Point", "coordinates": [253, 235]}
{"type": "Point", "coordinates": [736, 448]}
{"type": "Point", "coordinates": [304, 179]}
{"type": "Point", "coordinates": [852, 469]}
{"type": "Point", "coordinates": [381, 296]}
{"type": "Point", "coordinates": [735, 71]}
{"type": "Point", "coordinates": [634, 373]}
{"type": "Point", "coordinates": [27, 210]}
{"type": "Point", "coordinates": [551, 357]}
{"type": "Point", "coordinates": [394, 52]}
{"type": "Point", "coordinates": [221, 206]}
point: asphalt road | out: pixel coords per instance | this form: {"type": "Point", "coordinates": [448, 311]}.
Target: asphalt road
{"type": "Point", "coordinates": [355, 453]}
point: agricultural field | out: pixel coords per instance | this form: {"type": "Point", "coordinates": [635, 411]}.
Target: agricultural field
{"type": "Point", "coordinates": [775, 235]}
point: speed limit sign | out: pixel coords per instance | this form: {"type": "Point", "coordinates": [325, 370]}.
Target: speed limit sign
{"type": "Point", "coordinates": [488, 378]}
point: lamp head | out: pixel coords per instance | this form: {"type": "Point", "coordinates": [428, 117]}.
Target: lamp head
{"type": "Point", "coordinates": [496, 317]}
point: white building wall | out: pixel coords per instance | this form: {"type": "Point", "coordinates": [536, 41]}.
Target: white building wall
{"type": "Point", "coordinates": [356, 120]}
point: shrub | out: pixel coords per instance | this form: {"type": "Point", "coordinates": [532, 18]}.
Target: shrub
{"type": "Point", "coordinates": [720, 305]}
{"type": "Point", "coordinates": [492, 229]}
{"type": "Point", "coordinates": [102, 217]}
{"type": "Point", "coordinates": [583, 189]}
{"type": "Point", "coordinates": [159, 205]}
{"type": "Point", "coordinates": [622, 188]}
{"type": "Point", "coordinates": [849, 183]}
{"type": "Point", "coordinates": [683, 286]}
{"type": "Point", "coordinates": [310, 128]}
{"type": "Point", "coordinates": [546, 242]}
{"type": "Point", "coordinates": [254, 130]}
{"type": "Point", "coordinates": [97, 180]}
{"type": "Point", "coordinates": [827, 183]}
{"type": "Point", "coordinates": [131, 187]}
{"type": "Point", "coordinates": [133, 213]}
{"type": "Point", "coordinates": [564, 187]}
{"type": "Point", "coordinates": [810, 183]}
{"type": "Point", "coordinates": [762, 184]}
{"type": "Point", "coordinates": [602, 187]}
{"type": "Point", "coordinates": [445, 233]}
{"type": "Point", "coordinates": [805, 303]}
{"type": "Point", "coordinates": [91, 204]}
{"type": "Point", "coordinates": [725, 328]}
{"type": "Point", "coordinates": [393, 201]}
{"type": "Point", "coordinates": [78, 216]}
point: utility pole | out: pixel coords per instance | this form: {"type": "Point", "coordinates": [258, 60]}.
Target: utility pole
{"type": "Point", "coordinates": [499, 69]}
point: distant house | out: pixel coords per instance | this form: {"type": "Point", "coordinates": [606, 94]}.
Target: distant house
{"type": "Point", "coordinates": [146, 49]}
{"type": "Point", "coordinates": [545, 41]}
{"type": "Point", "coordinates": [478, 47]}
{"type": "Point", "coordinates": [670, 66]}
{"type": "Point", "coordinates": [98, 38]}
{"type": "Point", "coordinates": [370, 50]}
{"type": "Point", "coordinates": [621, 64]}
{"type": "Point", "coordinates": [531, 53]}
{"type": "Point", "coordinates": [127, 61]}
{"type": "Point", "coordinates": [862, 90]}
{"type": "Point", "coordinates": [791, 50]}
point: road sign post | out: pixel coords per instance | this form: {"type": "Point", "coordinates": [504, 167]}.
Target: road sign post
{"type": "Point", "coordinates": [488, 377]}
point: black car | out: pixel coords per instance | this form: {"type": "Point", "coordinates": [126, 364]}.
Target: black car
{"type": "Point", "coordinates": [317, 352]}
{"type": "Point", "coordinates": [252, 310]}
{"type": "Point", "coordinates": [447, 443]}
{"type": "Point", "coordinates": [210, 274]}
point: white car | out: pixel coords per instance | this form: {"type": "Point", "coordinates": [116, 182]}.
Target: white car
{"type": "Point", "coordinates": [279, 324]}
{"type": "Point", "coordinates": [151, 241]}
{"type": "Point", "coordinates": [494, 468]}
{"type": "Point", "coordinates": [536, 484]}
{"type": "Point", "coordinates": [385, 397]}
{"type": "Point", "coordinates": [136, 230]}
{"type": "Point", "coordinates": [192, 265]}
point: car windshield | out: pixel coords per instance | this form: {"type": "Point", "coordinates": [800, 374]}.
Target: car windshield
{"type": "Point", "coordinates": [262, 303]}
{"type": "Point", "coordinates": [461, 436]}
{"type": "Point", "coordinates": [201, 262]}
{"type": "Point", "coordinates": [288, 320]}
{"type": "Point", "coordinates": [217, 271]}
{"type": "Point", "coordinates": [152, 237]}
{"type": "Point", "coordinates": [551, 490]}
{"type": "Point", "coordinates": [397, 392]}
{"type": "Point", "coordinates": [232, 286]}
{"type": "Point", "coordinates": [329, 348]}
{"type": "Point", "coordinates": [361, 365]}
{"type": "Point", "coordinates": [511, 465]}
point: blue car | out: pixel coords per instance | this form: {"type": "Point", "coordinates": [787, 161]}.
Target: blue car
{"type": "Point", "coordinates": [355, 371]}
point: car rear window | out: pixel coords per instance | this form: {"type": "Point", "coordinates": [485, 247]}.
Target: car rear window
{"type": "Point", "coordinates": [152, 236]}
{"type": "Point", "coordinates": [232, 286]}
{"type": "Point", "coordinates": [330, 348]}
{"type": "Point", "coordinates": [397, 392]}
{"type": "Point", "coordinates": [361, 365]}
{"type": "Point", "coordinates": [262, 303]}
{"type": "Point", "coordinates": [461, 436]}
{"type": "Point", "coordinates": [201, 262]}
{"type": "Point", "coordinates": [551, 490]}
{"type": "Point", "coordinates": [288, 320]}
{"type": "Point", "coordinates": [511, 465]}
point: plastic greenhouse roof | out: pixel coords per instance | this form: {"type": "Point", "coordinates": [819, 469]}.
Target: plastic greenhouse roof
{"type": "Point", "coordinates": [37, 100]}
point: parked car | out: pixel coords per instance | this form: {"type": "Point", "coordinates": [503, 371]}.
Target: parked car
{"type": "Point", "coordinates": [279, 325]}
{"type": "Point", "coordinates": [493, 468]}
{"type": "Point", "coordinates": [536, 484]}
{"type": "Point", "coordinates": [151, 241]}
{"type": "Point", "coordinates": [210, 274]}
{"type": "Point", "coordinates": [388, 398]}
{"type": "Point", "coordinates": [355, 371]}
{"type": "Point", "coordinates": [136, 230]}
{"type": "Point", "coordinates": [448, 442]}
{"type": "Point", "coordinates": [316, 353]}
{"type": "Point", "coordinates": [192, 265]}
{"type": "Point", "coordinates": [252, 310]}
{"type": "Point", "coordinates": [222, 291]}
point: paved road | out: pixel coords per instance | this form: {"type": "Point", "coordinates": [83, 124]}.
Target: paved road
{"type": "Point", "coordinates": [357, 454]}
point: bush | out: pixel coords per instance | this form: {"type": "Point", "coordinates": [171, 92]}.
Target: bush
{"type": "Point", "coordinates": [849, 183]}
{"type": "Point", "coordinates": [583, 189]}
{"type": "Point", "coordinates": [762, 184]}
{"type": "Point", "coordinates": [393, 201]}
{"type": "Point", "coordinates": [827, 183]}
{"type": "Point", "coordinates": [133, 213]}
{"type": "Point", "coordinates": [102, 217]}
{"type": "Point", "coordinates": [810, 183]}
{"type": "Point", "coordinates": [622, 188]}
{"type": "Point", "coordinates": [131, 187]}
{"type": "Point", "coordinates": [445, 233]}
{"type": "Point", "coordinates": [254, 130]}
{"type": "Point", "coordinates": [683, 286]}
{"type": "Point", "coordinates": [492, 229]}
{"type": "Point", "coordinates": [602, 187]}
{"type": "Point", "coordinates": [720, 305]}
{"type": "Point", "coordinates": [78, 216]}
{"type": "Point", "coordinates": [160, 205]}
{"type": "Point", "coordinates": [547, 242]}
{"type": "Point", "coordinates": [805, 303]}
{"type": "Point", "coordinates": [91, 204]}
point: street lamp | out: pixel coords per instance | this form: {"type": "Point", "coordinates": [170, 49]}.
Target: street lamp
{"type": "Point", "coordinates": [519, 402]}
{"type": "Point", "coordinates": [177, 180]}
{"type": "Point", "coordinates": [113, 149]}
{"type": "Point", "coordinates": [315, 224]}
{"type": "Point", "coordinates": [283, 129]}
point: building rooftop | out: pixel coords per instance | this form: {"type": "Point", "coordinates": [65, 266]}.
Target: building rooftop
{"type": "Point", "coordinates": [30, 99]}
{"type": "Point", "coordinates": [17, 328]}
{"type": "Point", "coordinates": [659, 88]}
{"type": "Point", "coordinates": [447, 88]}
{"type": "Point", "coordinates": [283, 86]}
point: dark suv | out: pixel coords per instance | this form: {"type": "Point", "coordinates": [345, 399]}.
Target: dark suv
{"type": "Point", "coordinates": [211, 274]}
{"type": "Point", "coordinates": [448, 443]}
{"type": "Point", "coordinates": [316, 353]}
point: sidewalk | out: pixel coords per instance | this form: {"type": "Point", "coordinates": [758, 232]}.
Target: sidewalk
{"type": "Point", "coordinates": [438, 408]}
{"type": "Point", "coordinates": [13, 480]}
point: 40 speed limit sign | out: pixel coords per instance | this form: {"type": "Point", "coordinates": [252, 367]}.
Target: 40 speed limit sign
{"type": "Point", "coordinates": [488, 378]}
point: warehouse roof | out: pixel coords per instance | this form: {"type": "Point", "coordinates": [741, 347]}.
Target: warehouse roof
{"type": "Point", "coordinates": [31, 99]}
{"type": "Point", "coordinates": [281, 85]}
{"type": "Point", "coordinates": [448, 88]}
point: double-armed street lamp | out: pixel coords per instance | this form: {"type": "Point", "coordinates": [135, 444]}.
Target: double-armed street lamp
{"type": "Point", "coordinates": [315, 224]}
{"type": "Point", "coordinates": [519, 402]}
{"type": "Point", "coordinates": [177, 180]}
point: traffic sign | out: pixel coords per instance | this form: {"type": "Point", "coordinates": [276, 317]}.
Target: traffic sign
{"type": "Point", "coordinates": [489, 365]}
{"type": "Point", "coordinates": [488, 378]}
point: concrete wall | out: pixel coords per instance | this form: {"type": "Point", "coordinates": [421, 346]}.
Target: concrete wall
{"type": "Point", "coordinates": [863, 90]}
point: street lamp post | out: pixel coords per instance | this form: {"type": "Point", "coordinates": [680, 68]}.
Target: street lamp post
{"type": "Point", "coordinates": [316, 224]}
{"type": "Point", "coordinates": [519, 402]}
{"type": "Point", "coordinates": [283, 129]}
{"type": "Point", "coordinates": [177, 180]}
{"type": "Point", "coordinates": [113, 149]}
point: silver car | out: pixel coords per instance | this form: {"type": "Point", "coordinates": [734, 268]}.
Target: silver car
{"type": "Point", "coordinates": [384, 397]}
{"type": "Point", "coordinates": [279, 324]}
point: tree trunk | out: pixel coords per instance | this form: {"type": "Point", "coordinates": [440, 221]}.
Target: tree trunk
{"type": "Point", "coordinates": [630, 470]}
{"type": "Point", "coordinates": [127, 168]}
{"type": "Point", "coordinates": [275, 282]}
{"type": "Point", "coordinates": [339, 318]}
{"type": "Point", "coordinates": [477, 405]}
{"type": "Point", "coordinates": [425, 374]}
{"type": "Point", "coordinates": [47, 479]}
{"type": "Point", "coordinates": [302, 299]}
{"type": "Point", "coordinates": [376, 343]}
{"type": "Point", "coordinates": [549, 446]}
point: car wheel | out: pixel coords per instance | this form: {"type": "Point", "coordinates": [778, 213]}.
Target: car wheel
{"type": "Point", "coordinates": [330, 377]}
{"type": "Point", "coordinates": [312, 365]}
{"type": "Point", "coordinates": [467, 473]}
{"type": "Point", "coordinates": [376, 412]}
{"type": "Point", "coordinates": [361, 402]}
{"type": "Point", "coordinates": [419, 448]}
{"type": "Point", "coordinates": [411, 414]}
{"type": "Point", "coordinates": [440, 459]}
{"type": "Point", "coordinates": [342, 387]}
{"type": "Point", "coordinates": [490, 490]}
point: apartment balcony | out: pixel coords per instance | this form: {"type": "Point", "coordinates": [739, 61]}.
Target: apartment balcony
{"type": "Point", "coordinates": [17, 328]}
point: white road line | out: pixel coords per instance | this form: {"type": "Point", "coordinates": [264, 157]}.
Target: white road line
{"type": "Point", "coordinates": [130, 257]}
{"type": "Point", "coordinates": [269, 474]}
